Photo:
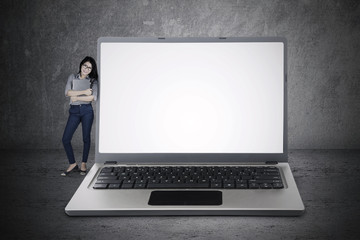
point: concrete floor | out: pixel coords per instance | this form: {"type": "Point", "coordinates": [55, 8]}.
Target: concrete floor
{"type": "Point", "coordinates": [36, 195]}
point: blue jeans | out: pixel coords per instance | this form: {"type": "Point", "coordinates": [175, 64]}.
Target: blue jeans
{"type": "Point", "coordinates": [78, 113]}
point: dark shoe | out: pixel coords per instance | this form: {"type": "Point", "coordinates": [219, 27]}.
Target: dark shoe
{"type": "Point", "coordinates": [75, 169]}
{"type": "Point", "coordinates": [82, 172]}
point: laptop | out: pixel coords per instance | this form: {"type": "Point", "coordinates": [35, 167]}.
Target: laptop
{"type": "Point", "coordinates": [80, 85]}
{"type": "Point", "coordinates": [190, 126]}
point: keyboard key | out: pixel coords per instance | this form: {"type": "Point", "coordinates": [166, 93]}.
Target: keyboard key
{"type": "Point", "coordinates": [127, 185]}
{"type": "Point", "coordinates": [265, 186]}
{"type": "Point", "coordinates": [229, 185]}
{"type": "Point", "coordinates": [129, 181]}
{"type": "Point", "coordinates": [239, 181]}
{"type": "Point", "coordinates": [141, 181]}
{"type": "Point", "coordinates": [267, 177]}
{"type": "Point", "coordinates": [246, 177]}
{"type": "Point", "coordinates": [107, 177]}
{"type": "Point", "coordinates": [271, 170]}
{"type": "Point", "coordinates": [124, 178]}
{"type": "Point", "coordinates": [216, 185]}
{"type": "Point", "coordinates": [253, 186]}
{"type": "Point", "coordinates": [264, 181]}
{"type": "Point", "coordinates": [99, 186]}
{"type": "Point", "coordinates": [108, 181]}
{"type": "Point", "coordinates": [107, 174]}
{"type": "Point", "coordinates": [107, 169]}
{"type": "Point", "coordinates": [118, 169]}
{"type": "Point", "coordinates": [241, 186]}
{"type": "Point", "coordinates": [139, 185]}
{"type": "Point", "coordinates": [278, 185]}
{"type": "Point", "coordinates": [114, 186]}
{"type": "Point", "coordinates": [121, 174]}
{"type": "Point", "coordinates": [228, 181]}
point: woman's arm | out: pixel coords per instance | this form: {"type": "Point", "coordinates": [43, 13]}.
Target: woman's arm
{"type": "Point", "coordinates": [73, 93]}
{"type": "Point", "coordinates": [82, 98]}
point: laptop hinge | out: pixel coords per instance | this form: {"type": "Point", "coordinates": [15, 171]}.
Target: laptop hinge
{"type": "Point", "coordinates": [271, 162]}
{"type": "Point", "coordinates": [110, 162]}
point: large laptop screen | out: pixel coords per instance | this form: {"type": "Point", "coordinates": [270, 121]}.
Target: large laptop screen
{"type": "Point", "coordinates": [191, 97]}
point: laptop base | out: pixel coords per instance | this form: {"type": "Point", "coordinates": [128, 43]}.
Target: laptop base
{"type": "Point", "coordinates": [132, 202]}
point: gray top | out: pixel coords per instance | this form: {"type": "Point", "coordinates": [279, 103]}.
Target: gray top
{"type": "Point", "coordinates": [69, 87]}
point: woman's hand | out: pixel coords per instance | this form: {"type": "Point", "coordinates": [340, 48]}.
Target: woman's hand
{"type": "Point", "coordinates": [88, 92]}
{"type": "Point", "coordinates": [74, 99]}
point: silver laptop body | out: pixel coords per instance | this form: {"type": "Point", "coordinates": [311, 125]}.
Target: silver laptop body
{"type": "Point", "coordinates": [174, 102]}
{"type": "Point", "coordinates": [80, 85]}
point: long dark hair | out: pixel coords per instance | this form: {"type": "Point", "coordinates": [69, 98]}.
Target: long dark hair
{"type": "Point", "coordinates": [93, 75]}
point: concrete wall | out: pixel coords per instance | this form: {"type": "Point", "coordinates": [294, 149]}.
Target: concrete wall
{"type": "Point", "coordinates": [42, 42]}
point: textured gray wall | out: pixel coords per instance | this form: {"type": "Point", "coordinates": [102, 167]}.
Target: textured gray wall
{"type": "Point", "coordinates": [42, 42]}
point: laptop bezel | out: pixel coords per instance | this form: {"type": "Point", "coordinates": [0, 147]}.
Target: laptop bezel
{"type": "Point", "coordinates": [191, 158]}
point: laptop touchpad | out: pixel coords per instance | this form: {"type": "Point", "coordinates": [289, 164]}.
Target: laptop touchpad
{"type": "Point", "coordinates": [185, 198]}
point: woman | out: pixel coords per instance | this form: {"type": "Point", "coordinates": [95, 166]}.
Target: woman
{"type": "Point", "coordinates": [80, 111]}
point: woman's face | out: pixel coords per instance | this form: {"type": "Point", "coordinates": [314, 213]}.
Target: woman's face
{"type": "Point", "coordinates": [86, 69]}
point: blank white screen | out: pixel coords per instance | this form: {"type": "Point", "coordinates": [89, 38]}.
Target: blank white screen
{"type": "Point", "coordinates": [191, 97]}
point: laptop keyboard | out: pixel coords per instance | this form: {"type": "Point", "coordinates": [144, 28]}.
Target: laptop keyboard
{"type": "Point", "coordinates": [189, 178]}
